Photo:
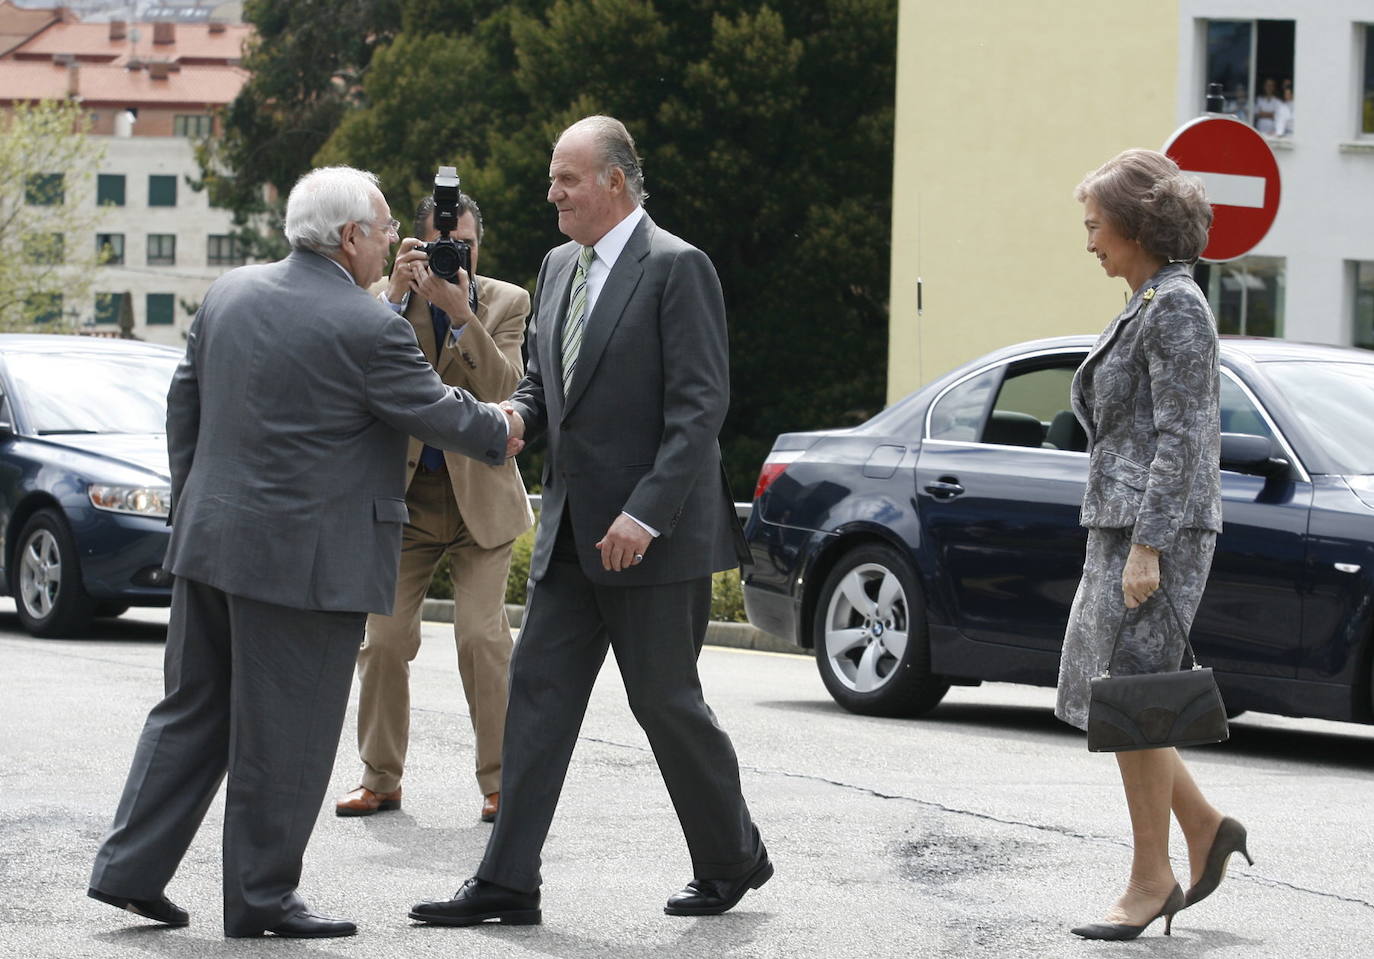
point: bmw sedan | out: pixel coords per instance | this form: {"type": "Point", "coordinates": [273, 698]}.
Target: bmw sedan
{"type": "Point", "coordinates": [938, 544]}
{"type": "Point", "coordinates": [84, 484]}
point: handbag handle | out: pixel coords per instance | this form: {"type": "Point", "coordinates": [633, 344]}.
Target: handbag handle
{"type": "Point", "coordinates": [1178, 620]}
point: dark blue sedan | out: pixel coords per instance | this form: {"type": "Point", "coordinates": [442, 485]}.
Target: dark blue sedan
{"type": "Point", "coordinates": [84, 487]}
{"type": "Point", "coordinates": [938, 544]}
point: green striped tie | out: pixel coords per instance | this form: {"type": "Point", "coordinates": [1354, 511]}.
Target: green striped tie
{"type": "Point", "coordinates": [577, 317]}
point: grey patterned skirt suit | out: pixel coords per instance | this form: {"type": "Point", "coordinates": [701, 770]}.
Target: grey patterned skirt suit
{"type": "Point", "coordinates": [1148, 397]}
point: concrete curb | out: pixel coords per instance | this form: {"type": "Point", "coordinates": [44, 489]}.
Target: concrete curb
{"type": "Point", "coordinates": [734, 635]}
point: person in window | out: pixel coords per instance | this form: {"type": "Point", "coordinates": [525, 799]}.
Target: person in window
{"type": "Point", "coordinates": [1148, 398]}
{"type": "Point", "coordinates": [1267, 107]}
{"type": "Point", "coordinates": [1238, 103]}
{"type": "Point", "coordinates": [1283, 117]}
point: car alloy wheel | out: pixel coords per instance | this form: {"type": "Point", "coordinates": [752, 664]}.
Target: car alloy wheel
{"type": "Point", "coordinates": [872, 648]}
{"type": "Point", "coordinates": [50, 598]}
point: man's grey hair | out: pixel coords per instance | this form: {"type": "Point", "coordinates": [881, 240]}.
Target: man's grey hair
{"type": "Point", "coordinates": [617, 150]}
{"type": "Point", "coordinates": [323, 201]}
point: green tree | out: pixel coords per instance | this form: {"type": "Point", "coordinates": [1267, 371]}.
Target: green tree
{"type": "Point", "coordinates": [306, 63]}
{"type": "Point", "coordinates": [47, 217]}
{"type": "Point", "coordinates": [766, 131]}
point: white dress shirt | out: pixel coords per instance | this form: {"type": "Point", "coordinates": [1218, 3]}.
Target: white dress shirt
{"type": "Point", "coordinates": [608, 250]}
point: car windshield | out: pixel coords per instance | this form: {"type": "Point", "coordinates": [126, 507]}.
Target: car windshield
{"type": "Point", "coordinates": [1335, 402]}
{"type": "Point", "coordinates": [92, 393]}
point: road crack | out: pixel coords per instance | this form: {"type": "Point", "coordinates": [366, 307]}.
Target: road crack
{"type": "Point", "coordinates": [1062, 831]}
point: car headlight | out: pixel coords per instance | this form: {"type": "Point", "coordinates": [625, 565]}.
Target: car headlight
{"type": "Point", "coordinates": [141, 500]}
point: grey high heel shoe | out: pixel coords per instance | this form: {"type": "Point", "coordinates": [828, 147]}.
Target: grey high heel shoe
{"type": "Point", "coordinates": [1230, 838]}
{"type": "Point", "coordinates": [1120, 931]}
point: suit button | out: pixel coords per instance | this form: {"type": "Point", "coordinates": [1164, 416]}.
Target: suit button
{"type": "Point", "coordinates": [411, 463]}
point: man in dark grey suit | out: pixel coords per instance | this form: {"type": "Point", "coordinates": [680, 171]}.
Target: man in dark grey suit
{"type": "Point", "coordinates": [287, 425]}
{"type": "Point", "coordinates": [628, 377]}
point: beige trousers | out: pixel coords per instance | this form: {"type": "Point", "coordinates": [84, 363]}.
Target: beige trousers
{"type": "Point", "coordinates": [480, 629]}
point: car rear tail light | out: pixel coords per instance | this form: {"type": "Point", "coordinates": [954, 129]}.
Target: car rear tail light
{"type": "Point", "coordinates": [773, 467]}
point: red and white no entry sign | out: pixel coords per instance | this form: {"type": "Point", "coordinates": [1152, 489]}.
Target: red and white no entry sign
{"type": "Point", "coordinates": [1238, 168]}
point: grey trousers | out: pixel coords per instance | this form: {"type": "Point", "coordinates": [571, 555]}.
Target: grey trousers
{"type": "Point", "coordinates": [657, 633]}
{"type": "Point", "coordinates": [255, 691]}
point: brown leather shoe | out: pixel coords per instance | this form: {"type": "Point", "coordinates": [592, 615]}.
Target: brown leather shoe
{"type": "Point", "coordinates": [490, 804]}
{"type": "Point", "coordinates": [364, 802]}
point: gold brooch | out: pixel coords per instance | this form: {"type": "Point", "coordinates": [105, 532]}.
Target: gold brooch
{"type": "Point", "coordinates": [1148, 294]}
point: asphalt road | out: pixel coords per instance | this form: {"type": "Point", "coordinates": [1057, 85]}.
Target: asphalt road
{"type": "Point", "coordinates": [985, 829]}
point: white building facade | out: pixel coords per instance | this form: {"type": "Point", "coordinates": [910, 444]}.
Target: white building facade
{"type": "Point", "coordinates": [165, 243]}
{"type": "Point", "coordinates": [1312, 277]}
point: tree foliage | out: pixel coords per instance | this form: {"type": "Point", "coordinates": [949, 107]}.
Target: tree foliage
{"type": "Point", "coordinates": [47, 220]}
{"type": "Point", "coordinates": [766, 133]}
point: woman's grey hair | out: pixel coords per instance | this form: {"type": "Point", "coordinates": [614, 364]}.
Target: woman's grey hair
{"type": "Point", "coordinates": [323, 201]}
{"type": "Point", "coordinates": [1148, 199]}
{"type": "Point", "coordinates": [617, 150]}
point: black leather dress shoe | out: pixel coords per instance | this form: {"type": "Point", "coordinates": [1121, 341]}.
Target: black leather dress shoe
{"type": "Point", "coordinates": [481, 901]}
{"type": "Point", "coordinates": [160, 909]}
{"type": "Point", "coordinates": [307, 925]}
{"type": "Point", "coordinates": [711, 897]}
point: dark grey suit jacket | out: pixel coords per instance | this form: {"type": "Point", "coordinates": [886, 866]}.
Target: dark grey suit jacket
{"type": "Point", "coordinates": [1148, 396]}
{"type": "Point", "coordinates": [287, 425]}
{"type": "Point", "coordinates": [638, 432]}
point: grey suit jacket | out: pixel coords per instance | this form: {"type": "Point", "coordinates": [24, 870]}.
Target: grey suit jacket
{"type": "Point", "coordinates": [287, 425]}
{"type": "Point", "coordinates": [1148, 396]}
{"type": "Point", "coordinates": [638, 431]}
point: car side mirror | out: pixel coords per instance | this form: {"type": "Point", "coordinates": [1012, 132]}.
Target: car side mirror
{"type": "Point", "coordinates": [1248, 453]}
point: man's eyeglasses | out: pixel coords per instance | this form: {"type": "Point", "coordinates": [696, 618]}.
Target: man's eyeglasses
{"type": "Point", "coordinates": [393, 226]}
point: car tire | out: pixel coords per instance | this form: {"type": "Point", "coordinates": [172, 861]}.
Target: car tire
{"type": "Point", "coordinates": [869, 599]}
{"type": "Point", "coordinates": [110, 609]}
{"type": "Point", "coordinates": [47, 587]}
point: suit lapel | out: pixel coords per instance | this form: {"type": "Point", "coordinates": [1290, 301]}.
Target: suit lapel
{"type": "Point", "coordinates": [552, 317]}
{"type": "Point", "coordinates": [610, 307]}
{"type": "Point", "coordinates": [417, 312]}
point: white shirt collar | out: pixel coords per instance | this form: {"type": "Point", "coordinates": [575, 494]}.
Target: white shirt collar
{"type": "Point", "coordinates": [610, 246]}
{"type": "Point", "coordinates": [343, 268]}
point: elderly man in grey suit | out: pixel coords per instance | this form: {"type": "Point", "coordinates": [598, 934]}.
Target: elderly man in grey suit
{"type": "Point", "coordinates": [287, 426]}
{"type": "Point", "coordinates": [628, 378]}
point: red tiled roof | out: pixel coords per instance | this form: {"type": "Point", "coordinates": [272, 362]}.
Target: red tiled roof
{"type": "Point", "coordinates": [92, 41]}
{"type": "Point", "coordinates": [18, 24]}
{"type": "Point", "coordinates": [100, 84]}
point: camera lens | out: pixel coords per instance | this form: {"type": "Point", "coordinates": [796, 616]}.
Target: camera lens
{"type": "Point", "coordinates": [443, 260]}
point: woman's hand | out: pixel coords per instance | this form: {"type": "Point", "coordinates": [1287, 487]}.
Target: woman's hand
{"type": "Point", "coordinates": [1140, 578]}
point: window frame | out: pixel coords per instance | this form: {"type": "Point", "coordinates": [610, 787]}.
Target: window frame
{"type": "Point", "coordinates": [50, 196]}
{"type": "Point", "coordinates": [163, 259]}
{"type": "Point", "coordinates": [110, 316]}
{"type": "Point", "coordinates": [235, 256]}
{"type": "Point", "coordinates": [103, 239]}
{"type": "Point", "coordinates": [204, 125]}
{"type": "Point", "coordinates": [101, 181]}
{"type": "Point", "coordinates": [171, 306]}
{"type": "Point", "coordinates": [158, 184]}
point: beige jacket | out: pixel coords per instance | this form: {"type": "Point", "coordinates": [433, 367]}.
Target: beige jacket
{"type": "Point", "coordinates": [486, 362]}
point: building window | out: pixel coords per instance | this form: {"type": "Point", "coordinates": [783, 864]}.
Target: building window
{"type": "Point", "coordinates": [44, 307]}
{"type": "Point", "coordinates": [162, 249]}
{"type": "Point", "coordinates": [162, 190]}
{"type": "Point", "coordinates": [1367, 101]}
{"type": "Point", "coordinates": [109, 248]}
{"type": "Point", "coordinates": [196, 125]}
{"type": "Point", "coordinates": [109, 189]}
{"type": "Point", "coordinates": [223, 250]}
{"type": "Point", "coordinates": [1246, 294]}
{"type": "Point", "coordinates": [45, 189]}
{"type": "Point", "coordinates": [1253, 62]}
{"type": "Point", "coordinates": [107, 307]}
{"type": "Point", "coordinates": [1364, 305]}
{"type": "Point", "coordinates": [160, 307]}
{"type": "Point", "coordinates": [44, 248]}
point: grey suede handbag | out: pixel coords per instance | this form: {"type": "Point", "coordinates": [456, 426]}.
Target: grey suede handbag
{"type": "Point", "coordinates": [1155, 710]}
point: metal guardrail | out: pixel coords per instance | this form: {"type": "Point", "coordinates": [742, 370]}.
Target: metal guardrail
{"type": "Point", "coordinates": [742, 510]}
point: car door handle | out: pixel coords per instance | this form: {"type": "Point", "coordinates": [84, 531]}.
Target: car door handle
{"type": "Point", "coordinates": [946, 487]}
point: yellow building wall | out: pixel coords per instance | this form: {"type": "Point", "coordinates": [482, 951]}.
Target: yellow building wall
{"type": "Point", "coordinates": [1002, 107]}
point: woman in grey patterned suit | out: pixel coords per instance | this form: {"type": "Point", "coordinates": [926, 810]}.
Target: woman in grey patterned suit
{"type": "Point", "coordinates": [1147, 395]}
